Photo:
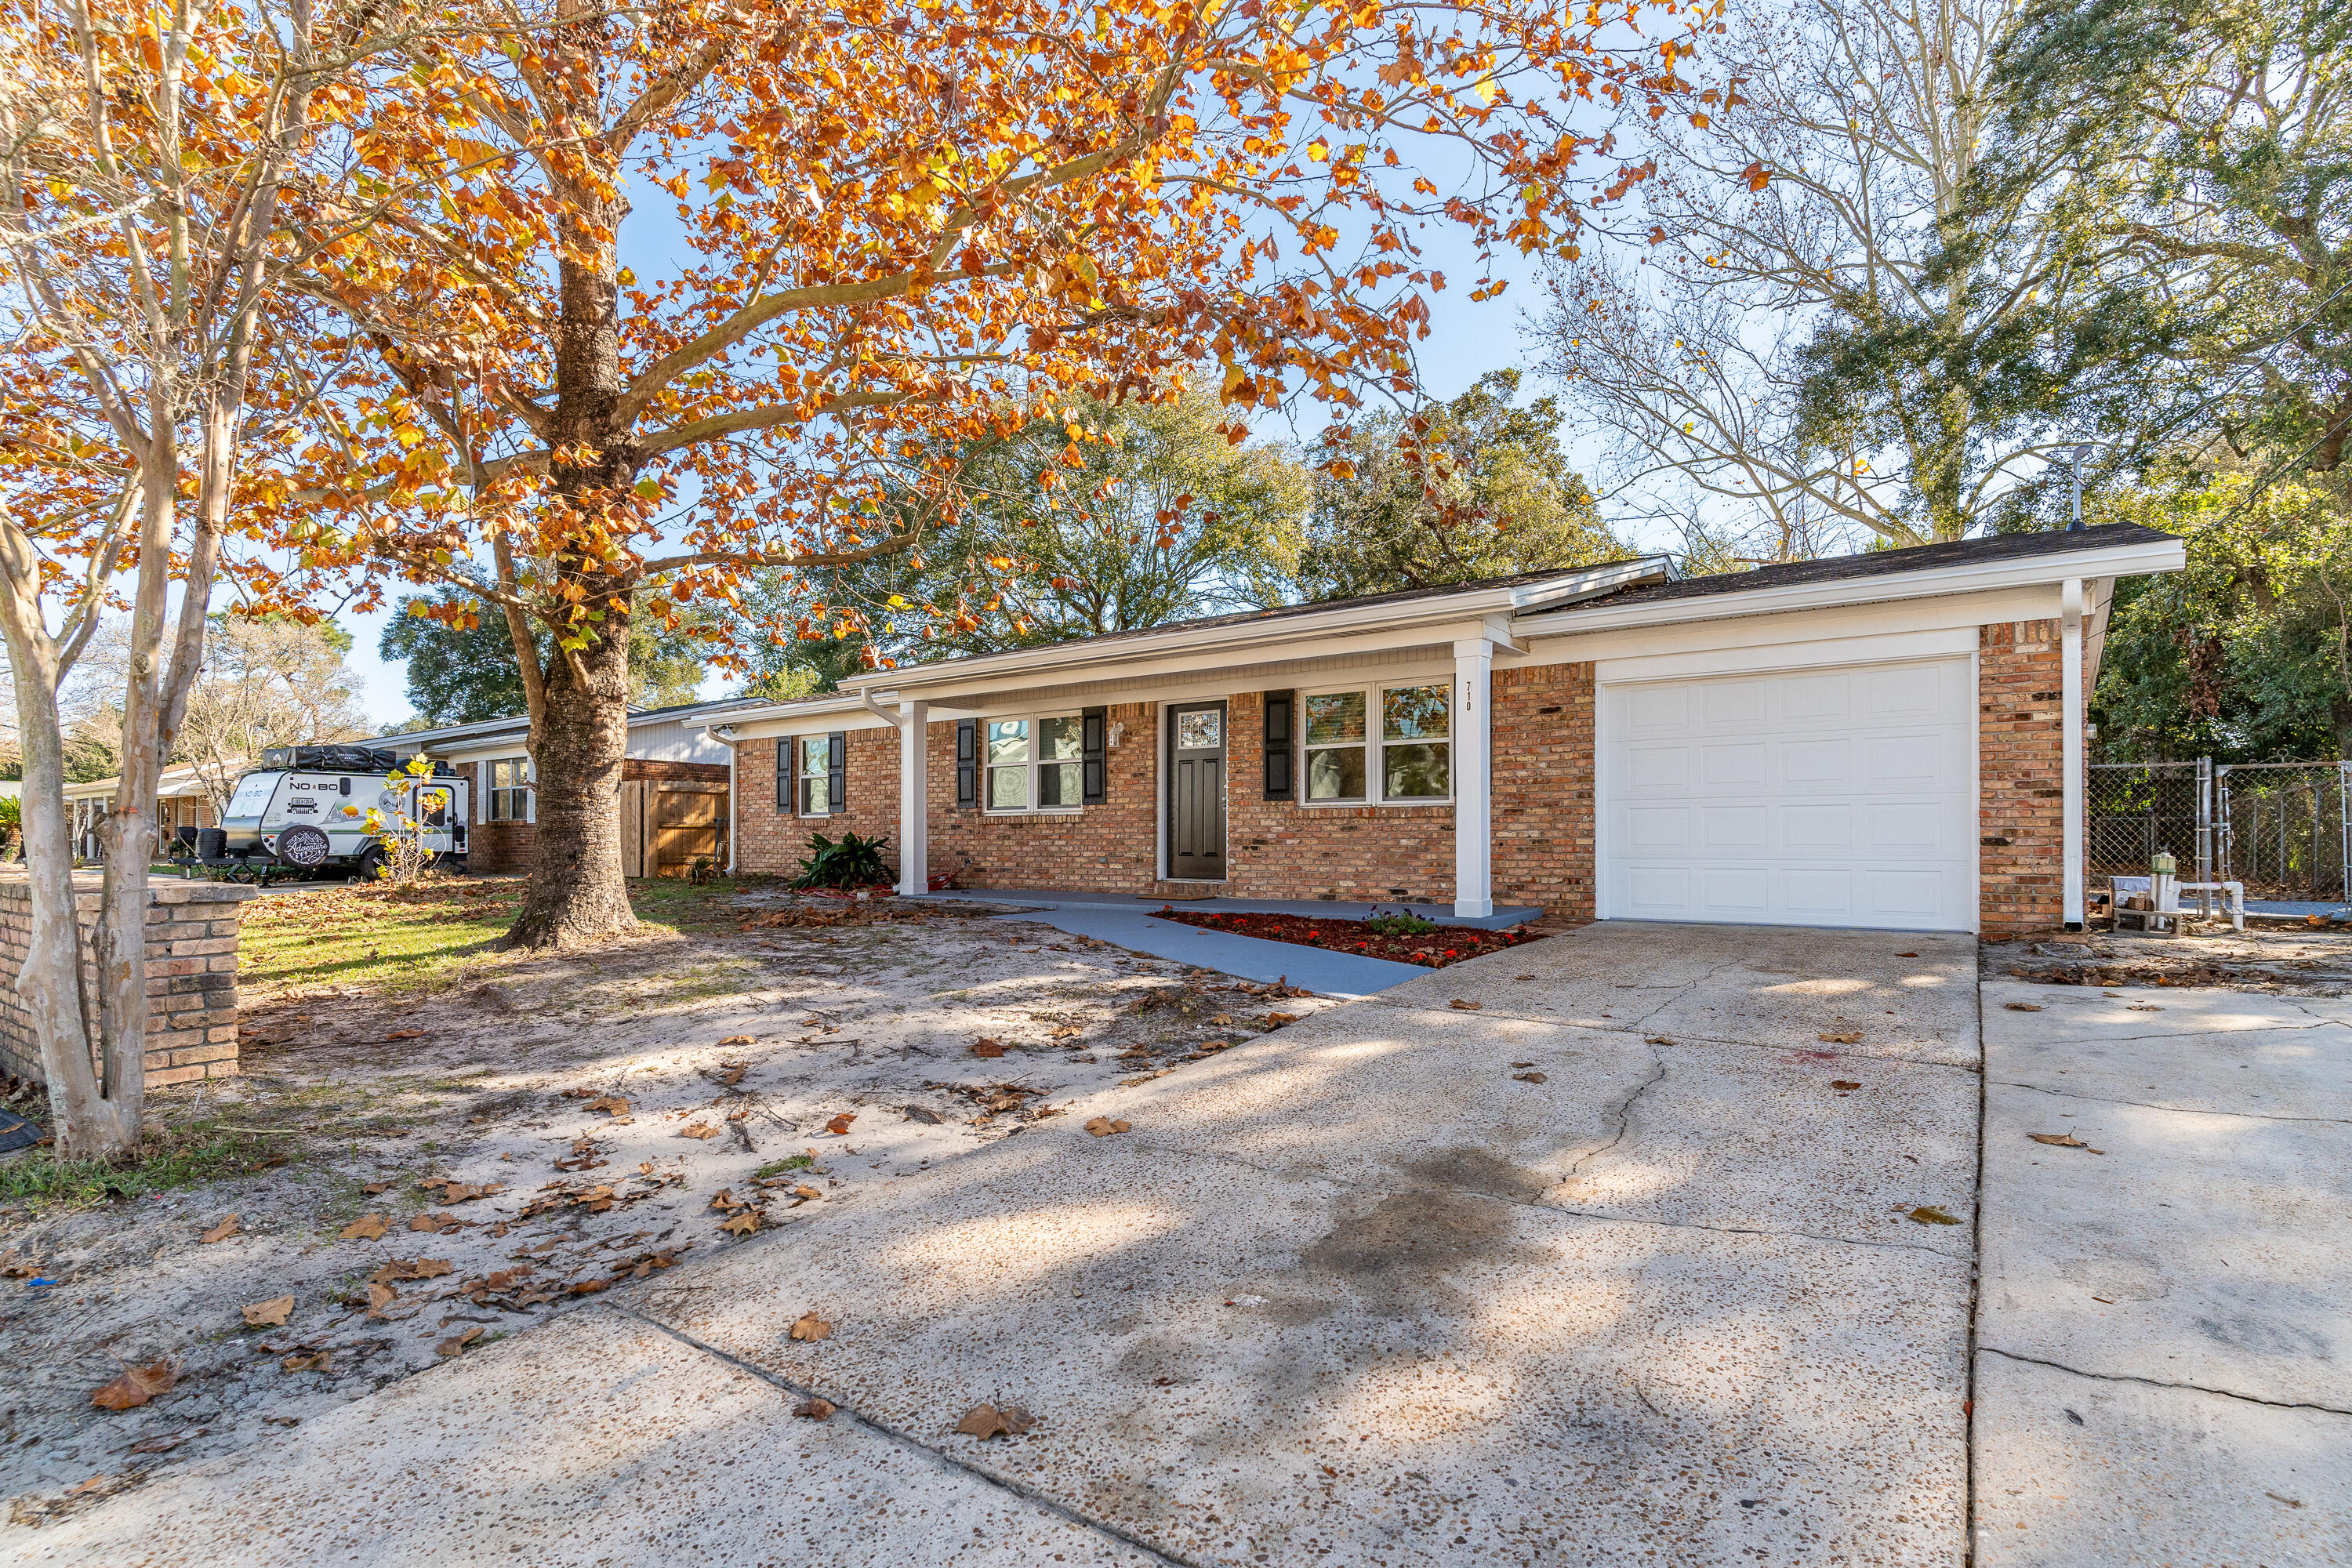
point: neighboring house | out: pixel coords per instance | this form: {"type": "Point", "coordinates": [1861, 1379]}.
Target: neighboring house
{"type": "Point", "coordinates": [182, 800]}
{"type": "Point", "coordinates": [673, 787]}
{"type": "Point", "coordinates": [1892, 738]}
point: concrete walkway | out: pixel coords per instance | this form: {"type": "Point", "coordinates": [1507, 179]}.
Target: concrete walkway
{"type": "Point", "coordinates": [2165, 1367]}
{"type": "Point", "coordinates": [1359, 1291]}
{"type": "Point", "coordinates": [1130, 922]}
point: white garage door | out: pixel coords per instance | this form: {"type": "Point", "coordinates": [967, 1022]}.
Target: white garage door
{"type": "Point", "coordinates": [1839, 797]}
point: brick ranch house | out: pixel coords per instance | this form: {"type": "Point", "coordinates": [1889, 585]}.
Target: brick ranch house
{"type": "Point", "coordinates": [1890, 740]}
{"type": "Point", "coordinates": [674, 787]}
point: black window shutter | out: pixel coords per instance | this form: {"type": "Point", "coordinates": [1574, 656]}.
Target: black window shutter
{"type": "Point", "coordinates": [837, 770]}
{"type": "Point", "coordinates": [1279, 784]}
{"type": "Point", "coordinates": [1091, 772]}
{"type": "Point", "coordinates": [967, 762]}
{"type": "Point", "coordinates": [785, 781]}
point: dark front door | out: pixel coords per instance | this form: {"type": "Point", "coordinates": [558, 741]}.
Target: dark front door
{"type": "Point", "coordinates": [1196, 793]}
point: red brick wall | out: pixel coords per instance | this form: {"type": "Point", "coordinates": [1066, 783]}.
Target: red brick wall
{"type": "Point", "coordinates": [770, 839]}
{"type": "Point", "coordinates": [2021, 810]}
{"type": "Point", "coordinates": [1543, 823]}
{"type": "Point", "coordinates": [1281, 850]}
{"type": "Point", "coordinates": [191, 952]}
{"type": "Point", "coordinates": [1105, 848]}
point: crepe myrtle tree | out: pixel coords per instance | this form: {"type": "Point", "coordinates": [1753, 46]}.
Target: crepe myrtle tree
{"type": "Point", "coordinates": [897, 228]}
{"type": "Point", "coordinates": [146, 150]}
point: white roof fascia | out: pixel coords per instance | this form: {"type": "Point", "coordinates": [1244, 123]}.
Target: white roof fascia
{"type": "Point", "coordinates": [1938, 582]}
{"type": "Point", "coordinates": [1389, 620]}
{"type": "Point", "coordinates": [802, 708]}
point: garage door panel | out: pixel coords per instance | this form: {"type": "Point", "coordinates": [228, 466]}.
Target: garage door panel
{"type": "Point", "coordinates": [1743, 766]}
{"type": "Point", "coordinates": [1816, 699]}
{"type": "Point", "coordinates": [1658, 709]}
{"type": "Point", "coordinates": [1818, 765]}
{"type": "Point", "coordinates": [1733, 705]}
{"type": "Point", "coordinates": [1831, 797]}
{"type": "Point", "coordinates": [1819, 895]}
{"type": "Point", "coordinates": [1738, 892]}
{"type": "Point", "coordinates": [1914, 830]}
{"type": "Point", "coordinates": [1906, 694]}
{"type": "Point", "coordinates": [1735, 830]}
{"type": "Point", "coordinates": [1658, 891]}
{"type": "Point", "coordinates": [1906, 764]}
{"type": "Point", "coordinates": [1651, 769]}
{"type": "Point", "coordinates": [1824, 832]}
{"type": "Point", "coordinates": [1655, 830]}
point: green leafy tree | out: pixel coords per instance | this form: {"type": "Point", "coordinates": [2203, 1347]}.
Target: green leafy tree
{"type": "Point", "coordinates": [1113, 518]}
{"type": "Point", "coordinates": [2246, 656]}
{"type": "Point", "coordinates": [1479, 486]}
{"type": "Point", "coordinates": [463, 673]}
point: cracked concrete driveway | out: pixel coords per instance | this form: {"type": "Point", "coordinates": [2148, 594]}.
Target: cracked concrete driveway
{"type": "Point", "coordinates": [1621, 1266]}
{"type": "Point", "coordinates": [2165, 1366]}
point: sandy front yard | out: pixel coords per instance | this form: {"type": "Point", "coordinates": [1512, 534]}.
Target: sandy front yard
{"type": "Point", "coordinates": [434, 1144]}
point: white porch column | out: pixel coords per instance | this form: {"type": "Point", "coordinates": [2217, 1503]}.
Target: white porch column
{"type": "Point", "coordinates": [2070, 678]}
{"type": "Point", "coordinates": [1473, 771]}
{"type": "Point", "coordinates": [914, 797]}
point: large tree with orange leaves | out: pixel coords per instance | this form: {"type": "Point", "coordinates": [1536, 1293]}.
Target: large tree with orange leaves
{"type": "Point", "coordinates": [900, 226]}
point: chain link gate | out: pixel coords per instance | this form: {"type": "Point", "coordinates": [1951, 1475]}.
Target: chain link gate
{"type": "Point", "coordinates": [2284, 829]}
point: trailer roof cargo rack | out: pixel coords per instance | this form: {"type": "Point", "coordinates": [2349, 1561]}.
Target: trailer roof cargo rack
{"type": "Point", "coordinates": [344, 760]}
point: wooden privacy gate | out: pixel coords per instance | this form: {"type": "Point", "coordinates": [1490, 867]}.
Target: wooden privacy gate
{"type": "Point", "coordinates": [666, 825]}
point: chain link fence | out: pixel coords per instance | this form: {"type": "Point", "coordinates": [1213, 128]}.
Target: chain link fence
{"type": "Point", "coordinates": [2284, 829]}
{"type": "Point", "coordinates": [2281, 828]}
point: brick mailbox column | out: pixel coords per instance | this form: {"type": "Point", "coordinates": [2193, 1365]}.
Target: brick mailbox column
{"type": "Point", "coordinates": [192, 947]}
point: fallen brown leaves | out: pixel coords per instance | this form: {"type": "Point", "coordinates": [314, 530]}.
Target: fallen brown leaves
{"type": "Point", "coordinates": [988, 1048]}
{"type": "Point", "coordinates": [815, 1408]}
{"type": "Point", "coordinates": [1277, 1020]}
{"type": "Point", "coordinates": [1842, 1084]}
{"type": "Point", "coordinates": [224, 1230]}
{"type": "Point", "coordinates": [611, 1105]}
{"type": "Point", "coordinates": [456, 1343]}
{"type": "Point", "coordinates": [741, 1040]}
{"type": "Point", "coordinates": [1842, 1036]}
{"type": "Point", "coordinates": [839, 1125]}
{"type": "Point", "coordinates": [743, 1224]}
{"type": "Point", "coordinates": [811, 1328]}
{"type": "Point", "coordinates": [1530, 1078]}
{"type": "Point", "coordinates": [1466, 1006]}
{"type": "Point", "coordinates": [2063, 1141]}
{"type": "Point", "coordinates": [2022, 1007]}
{"type": "Point", "coordinates": [367, 1228]}
{"type": "Point", "coordinates": [1103, 1126]}
{"type": "Point", "coordinates": [137, 1385]}
{"type": "Point", "coordinates": [697, 1130]}
{"type": "Point", "coordinates": [1929, 1213]}
{"type": "Point", "coordinates": [986, 1421]}
{"type": "Point", "coordinates": [313, 1361]}
{"type": "Point", "coordinates": [269, 1314]}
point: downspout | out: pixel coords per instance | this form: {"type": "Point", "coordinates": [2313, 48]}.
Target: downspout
{"type": "Point", "coordinates": [2070, 666]}
{"type": "Point", "coordinates": [726, 734]}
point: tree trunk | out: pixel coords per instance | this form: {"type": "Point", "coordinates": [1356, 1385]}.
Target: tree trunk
{"type": "Point", "coordinates": [51, 983]}
{"type": "Point", "coordinates": [577, 892]}
{"type": "Point", "coordinates": [581, 734]}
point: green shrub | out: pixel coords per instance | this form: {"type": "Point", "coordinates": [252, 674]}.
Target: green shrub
{"type": "Point", "coordinates": [854, 862]}
{"type": "Point", "coordinates": [1401, 923]}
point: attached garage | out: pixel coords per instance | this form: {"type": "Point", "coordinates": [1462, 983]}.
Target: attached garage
{"type": "Point", "coordinates": [1841, 796]}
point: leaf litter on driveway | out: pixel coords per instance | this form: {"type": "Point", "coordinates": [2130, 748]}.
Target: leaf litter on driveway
{"type": "Point", "coordinates": [523, 1123]}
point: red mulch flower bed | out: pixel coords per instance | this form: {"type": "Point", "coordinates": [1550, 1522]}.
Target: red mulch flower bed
{"type": "Point", "coordinates": [1432, 950]}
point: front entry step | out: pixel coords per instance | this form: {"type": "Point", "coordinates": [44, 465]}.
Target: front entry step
{"type": "Point", "coordinates": [1174, 890]}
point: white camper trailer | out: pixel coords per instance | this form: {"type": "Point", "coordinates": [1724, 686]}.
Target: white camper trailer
{"type": "Point", "coordinates": [305, 810]}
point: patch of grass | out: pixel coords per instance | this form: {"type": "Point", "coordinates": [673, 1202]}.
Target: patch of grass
{"type": "Point", "coordinates": [406, 940]}
{"type": "Point", "coordinates": [777, 1167]}
{"type": "Point", "coordinates": [184, 1154]}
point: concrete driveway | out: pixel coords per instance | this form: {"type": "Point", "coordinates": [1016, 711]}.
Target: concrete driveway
{"type": "Point", "coordinates": [2165, 1370]}
{"type": "Point", "coordinates": [1641, 1261]}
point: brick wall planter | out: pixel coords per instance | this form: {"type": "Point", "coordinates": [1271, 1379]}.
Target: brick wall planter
{"type": "Point", "coordinates": [191, 951]}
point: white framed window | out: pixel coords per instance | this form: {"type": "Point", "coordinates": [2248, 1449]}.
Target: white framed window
{"type": "Point", "coordinates": [1385, 745]}
{"type": "Point", "coordinates": [509, 790]}
{"type": "Point", "coordinates": [813, 771]}
{"type": "Point", "coordinates": [1032, 763]}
